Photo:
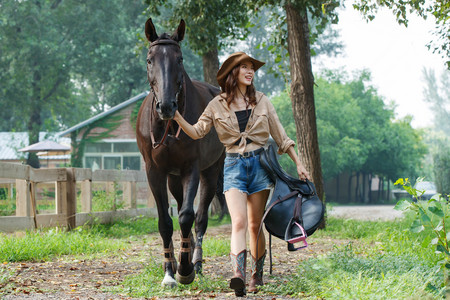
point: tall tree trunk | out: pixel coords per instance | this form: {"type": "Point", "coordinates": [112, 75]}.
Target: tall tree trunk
{"type": "Point", "coordinates": [338, 197]}
{"type": "Point", "coordinates": [302, 92]}
{"type": "Point", "coordinates": [211, 66]}
{"type": "Point", "coordinates": [35, 122]}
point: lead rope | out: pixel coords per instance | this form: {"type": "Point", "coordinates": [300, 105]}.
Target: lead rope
{"type": "Point", "coordinates": [156, 145]}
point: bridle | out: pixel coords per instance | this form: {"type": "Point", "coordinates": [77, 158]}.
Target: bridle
{"type": "Point", "coordinates": [182, 88]}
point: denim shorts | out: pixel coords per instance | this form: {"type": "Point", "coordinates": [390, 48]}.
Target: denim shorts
{"type": "Point", "coordinates": [245, 174]}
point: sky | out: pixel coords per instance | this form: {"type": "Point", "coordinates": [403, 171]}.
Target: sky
{"type": "Point", "coordinates": [394, 55]}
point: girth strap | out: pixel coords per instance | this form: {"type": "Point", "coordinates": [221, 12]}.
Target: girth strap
{"type": "Point", "coordinates": [279, 200]}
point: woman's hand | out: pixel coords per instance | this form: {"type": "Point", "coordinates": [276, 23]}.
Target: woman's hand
{"type": "Point", "coordinates": [302, 173]}
{"type": "Point", "coordinates": [177, 116]}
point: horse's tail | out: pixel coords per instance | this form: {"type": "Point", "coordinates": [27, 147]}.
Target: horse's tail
{"type": "Point", "coordinates": [220, 196]}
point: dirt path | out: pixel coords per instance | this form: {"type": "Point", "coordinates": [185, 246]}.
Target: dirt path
{"type": "Point", "coordinates": [88, 278]}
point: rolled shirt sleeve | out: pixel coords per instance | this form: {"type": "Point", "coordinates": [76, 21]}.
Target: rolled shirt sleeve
{"type": "Point", "coordinates": [205, 122]}
{"type": "Point", "coordinates": [277, 131]}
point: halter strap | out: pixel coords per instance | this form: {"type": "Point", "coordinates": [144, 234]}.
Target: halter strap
{"type": "Point", "coordinates": [164, 42]}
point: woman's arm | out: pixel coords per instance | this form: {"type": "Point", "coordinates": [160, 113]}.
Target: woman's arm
{"type": "Point", "coordinates": [302, 173]}
{"type": "Point", "coordinates": [187, 128]}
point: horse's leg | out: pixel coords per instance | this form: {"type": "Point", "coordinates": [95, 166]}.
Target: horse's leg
{"type": "Point", "coordinates": [186, 216]}
{"type": "Point", "coordinates": [208, 187]}
{"type": "Point", "coordinates": [157, 181]}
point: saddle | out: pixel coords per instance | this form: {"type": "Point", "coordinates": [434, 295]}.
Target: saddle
{"type": "Point", "coordinates": [294, 211]}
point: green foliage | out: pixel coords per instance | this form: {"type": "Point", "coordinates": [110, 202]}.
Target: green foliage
{"type": "Point", "coordinates": [107, 201]}
{"type": "Point", "coordinates": [355, 128]}
{"type": "Point", "coordinates": [108, 124]}
{"type": "Point", "coordinates": [7, 206]}
{"type": "Point", "coordinates": [346, 274]}
{"type": "Point", "coordinates": [441, 161]}
{"type": "Point", "coordinates": [432, 216]}
{"type": "Point", "coordinates": [128, 228]}
{"type": "Point", "coordinates": [211, 25]}
{"type": "Point", "coordinates": [437, 93]}
{"type": "Point", "coordinates": [61, 61]}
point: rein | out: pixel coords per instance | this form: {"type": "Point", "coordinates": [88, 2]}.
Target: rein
{"type": "Point", "coordinates": [155, 144]}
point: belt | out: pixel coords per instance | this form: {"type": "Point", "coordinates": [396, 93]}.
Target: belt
{"type": "Point", "coordinates": [246, 154]}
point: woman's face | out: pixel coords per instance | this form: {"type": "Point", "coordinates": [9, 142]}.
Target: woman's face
{"type": "Point", "coordinates": [246, 73]}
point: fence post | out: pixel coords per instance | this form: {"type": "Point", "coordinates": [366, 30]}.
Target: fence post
{"type": "Point", "coordinates": [86, 196]}
{"type": "Point", "coordinates": [23, 201]}
{"type": "Point", "coordinates": [71, 197]}
{"type": "Point", "coordinates": [60, 197]}
{"type": "Point", "coordinates": [129, 194]}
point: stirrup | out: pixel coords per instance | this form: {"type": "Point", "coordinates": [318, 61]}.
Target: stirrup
{"type": "Point", "coordinates": [297, 238]}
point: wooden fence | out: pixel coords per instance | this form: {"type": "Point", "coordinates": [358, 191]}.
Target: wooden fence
{"type": "Point", "coordinates": [67, 184]}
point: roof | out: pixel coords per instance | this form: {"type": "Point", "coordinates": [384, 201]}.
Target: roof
{"type": "Point", "coordinates": [104, 114]}
{"type": "Point", "coordinates": [47, 145]}
{"type": "Point", "coordinates": [11, 142]}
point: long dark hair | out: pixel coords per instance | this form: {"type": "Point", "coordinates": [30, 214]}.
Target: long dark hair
{"type": "Point", "coordinates": [231, 86]}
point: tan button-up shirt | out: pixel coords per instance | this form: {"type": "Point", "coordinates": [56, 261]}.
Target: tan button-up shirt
{"type": "Point", "coordinates": [263, 122]}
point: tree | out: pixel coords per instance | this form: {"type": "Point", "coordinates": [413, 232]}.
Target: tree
{"type": "Point", "coordinates": [301, 76]}
{"type": "Point", "coordinates": [438, 95]}
{"type": "Point", "coordinates": [211, 26]}
{"type": "Point", "coordinates": [58, 58]}
{"type": "Point", "coordinates": [439, 9]}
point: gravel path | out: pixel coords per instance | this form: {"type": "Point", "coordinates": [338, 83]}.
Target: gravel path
{"type": "Point", "coordinates": [366, 212]}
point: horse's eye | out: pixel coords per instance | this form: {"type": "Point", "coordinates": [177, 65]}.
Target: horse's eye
{"type": "Point", "coordinates": [180, 60]}
{"type": "Point", "coordinates": [149, 61]}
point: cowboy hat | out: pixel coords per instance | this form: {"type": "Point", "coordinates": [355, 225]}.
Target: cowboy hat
{"type": "Point", "coordinates": [232, 61]}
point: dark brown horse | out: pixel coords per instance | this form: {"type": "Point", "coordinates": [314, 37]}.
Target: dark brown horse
{"type": "Point", "coordinates": [171, 157]}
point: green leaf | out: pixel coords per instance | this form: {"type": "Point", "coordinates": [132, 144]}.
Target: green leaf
{"type": "Point", "coordinates": [437, 211]}
{"type": "Point", "coordinates": [447, 265]}
{"type": "Point", "coordinates": [441, 248]}
{"type": "Point", "coordinates": [416, 226]}
{"type": "Point", "coordinates": [402, 205]}
{"type": "Point", "coordinates": [448, 236]}
{"type": "Point", "coordinates": [434, 241]}
{"type": "Point", "coordinates": [423, 216]}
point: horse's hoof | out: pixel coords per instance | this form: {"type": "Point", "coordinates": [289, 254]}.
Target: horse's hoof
{"type": "Point", "coordinates": [169, 282]}
{"type": "Point", "coordinates": [186, 279]}
{"type": "Point", "coordinates": [198, 267]}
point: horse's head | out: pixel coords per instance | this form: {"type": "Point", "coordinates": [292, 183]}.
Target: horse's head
{"type": "Point", "coordinates": [165, 68]}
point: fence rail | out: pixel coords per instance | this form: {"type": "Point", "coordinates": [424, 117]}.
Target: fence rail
{"type": "Point", "coordinates": [25, 179]}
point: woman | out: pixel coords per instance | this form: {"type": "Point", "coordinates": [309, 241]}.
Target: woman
{"type": "Point", "coordinates": [244, 119]}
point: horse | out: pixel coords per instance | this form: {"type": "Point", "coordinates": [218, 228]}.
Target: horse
{"type": "Point", "coordinates": [172, 158]}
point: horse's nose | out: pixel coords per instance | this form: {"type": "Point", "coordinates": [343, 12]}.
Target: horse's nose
{"type": "Point", "coordinates": [167, 109]}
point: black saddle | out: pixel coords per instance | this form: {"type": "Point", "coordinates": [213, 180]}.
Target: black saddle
{"type": "Point", "coordinates": [294, 211]}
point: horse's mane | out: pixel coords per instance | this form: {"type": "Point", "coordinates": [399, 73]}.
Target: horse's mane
{"type": "Point", "coordinates": [164, 36]}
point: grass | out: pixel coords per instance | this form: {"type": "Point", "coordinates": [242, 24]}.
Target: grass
{"type": "Point", "coordinates": [44, 245]}
{"type": "Point", "coordinates": [383, 261]}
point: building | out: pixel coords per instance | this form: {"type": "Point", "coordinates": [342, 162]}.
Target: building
{"type": "Point", "coordinates": [108, 140]}
{"type": "Point", "coordinates": [11, 142]}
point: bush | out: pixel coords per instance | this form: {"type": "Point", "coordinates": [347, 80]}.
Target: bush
{"type": "Point", "coordinates": [441, 161]}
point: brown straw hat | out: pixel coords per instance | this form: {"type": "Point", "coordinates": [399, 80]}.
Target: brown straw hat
{"type": "Point", "coordinates": [232, 61]}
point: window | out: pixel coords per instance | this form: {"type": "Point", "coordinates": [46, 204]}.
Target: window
{"type": "Point", "coordinates": [126, 147]}
{"type": "Point", "coordinates": [98, 147]}
{"type": "Point", "coordinates": [93, 162]}
{"type": "Point", "coordinates": [112, 162]}
{"type": "Point", "coordinates": [100, 156]}
{"type": "Point", "coordinates": [131, 163]}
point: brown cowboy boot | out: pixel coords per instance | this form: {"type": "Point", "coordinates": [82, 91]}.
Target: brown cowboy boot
{"type": "Point", "coordinates": [239, 262]}
{"type": "Point", "coordinates": [257, 273]}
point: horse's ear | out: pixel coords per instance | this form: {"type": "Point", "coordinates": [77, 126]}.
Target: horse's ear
{"type": "Point", "coordinates": [150, 31]}
{"type": "Point", "coordinates": [178, 35]}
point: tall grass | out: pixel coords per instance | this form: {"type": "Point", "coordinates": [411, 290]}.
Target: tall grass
{"type": "Point", "coordinates": [383, 261]}
{"type": "Point", "coordinates": [46, 244]}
